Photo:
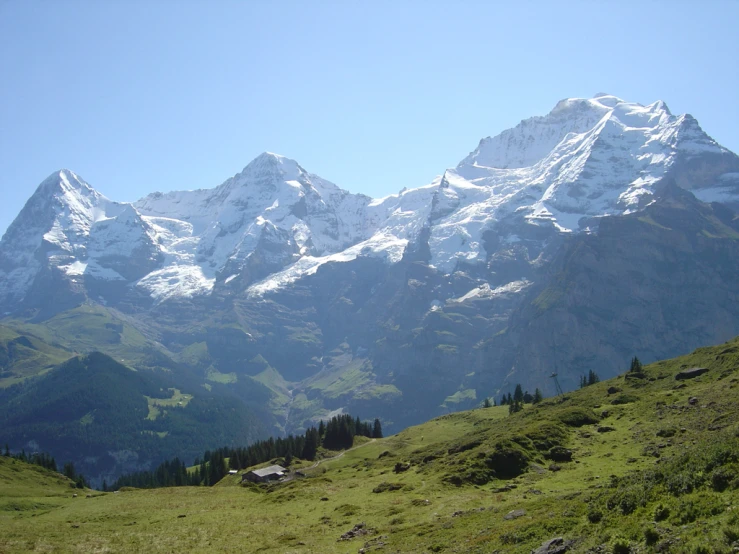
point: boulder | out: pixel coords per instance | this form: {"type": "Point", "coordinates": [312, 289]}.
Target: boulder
{"type": "Point", "coordinates": [560, 454]}
{"type": "Point", "coordinates": [691, 373]}
{"type": "Point", "coordinates": [556, 545]}
{"type": "Point", "coordinates": [515, 514]}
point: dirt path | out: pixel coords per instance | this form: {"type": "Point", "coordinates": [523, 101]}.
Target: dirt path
{"type": "Point", "coordinates": [319, 462]}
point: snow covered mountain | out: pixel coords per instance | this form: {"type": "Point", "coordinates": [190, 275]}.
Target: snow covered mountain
{"type": "Point", "coordinates": [275, 223]}
{"type": "Point", "coordinates": [567, 243]}
{"type": "Point", "coordinates": [69, 230]}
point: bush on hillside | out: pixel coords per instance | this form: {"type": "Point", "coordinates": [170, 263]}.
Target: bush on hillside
{"type": "Point", "coordinates": [624, 399]}
{"type": "Point", "coordinates": [507, 460]}
{"type": "Point", "coordinates": [577, 417]}
{"type": "Point", "coordinates": [547, 435]}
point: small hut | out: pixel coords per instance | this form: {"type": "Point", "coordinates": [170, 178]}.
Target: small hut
{"type": "Point", "coordinates": [264, 475]}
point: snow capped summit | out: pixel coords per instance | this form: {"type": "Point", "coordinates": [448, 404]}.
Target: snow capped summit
{"type": "Point", "coordinates": [268, 163]}
{"type": "Point", "coordinates": [71, 230]}
{"type": "Point", "coordinates": [270, 214]}
{"type": "Point", "coordinates": [274, 222]}
{"type": "Point", "coordinates": [533, 138]}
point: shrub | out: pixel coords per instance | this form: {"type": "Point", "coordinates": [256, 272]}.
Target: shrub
{"type": "Point", "coordinates": [620, 546]}
{"type": "Point", "coordinates": [651, 536]}
{"type": "Point", "coordinates": [508, 460]}
{"type": "Point", "coordinates": [577, 417]}
{"type": "Point", "coordinates": [704, 505]}
{"type": "Point", "coordinates": [721, 478]}
{"type": "Point", "coordinates": [624, 399]}
{"type": "Point", "coordinates": [546, 435]}
{"type": "Point", "coordinates": [661, 512]}
{"type": "Point", "coordinates": [385, 486]}
{"type": "Point", "coordinates": [347, 509]}
{"type": "Point", "coordinates": [594, 515]}
{"type": "Point", "coordinates": [731, 535]}
{"type": "Point", "coordinates": [560, 454]}
{"type": "Point", "coordinates": [627, 499]}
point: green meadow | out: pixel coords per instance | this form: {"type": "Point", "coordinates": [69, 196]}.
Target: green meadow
{"type": "Point", "coordinates": [640, 463]}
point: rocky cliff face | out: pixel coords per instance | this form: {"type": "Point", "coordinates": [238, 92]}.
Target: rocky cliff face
{"type": "Point", "coordinates": [567, 243]}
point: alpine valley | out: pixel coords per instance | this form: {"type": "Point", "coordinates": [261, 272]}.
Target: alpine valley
{"type": "Point", "coordinates": [189, 320]}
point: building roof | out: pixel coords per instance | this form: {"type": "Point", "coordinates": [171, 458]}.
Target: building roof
{"type": "Point", "coordinates": [270, 470]}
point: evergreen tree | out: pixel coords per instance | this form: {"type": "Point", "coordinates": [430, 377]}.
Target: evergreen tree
{"type": "Point", "coordinates": [510, 399]}
{"type": "Point", "coordinates": [69, 472]}
{"type": "Point", "coordinates": [377, 429]}
{"type": "Point", "coordinates": [537, 396]}
{"type": "Point", "coordinates": [321, 429]}
{"type": "Point", "coordinates": [7, 450]}
{"type": "Point", "coordinates": [203, 473]}
{"type": "Point", "coordinates": [503, 400]}
{"type": "Point", "coordinates": [636, 366]}
{"type": "Point", "coordinates": [486, 403]}
{"type": "Point", "coordinates": [310, 448]}
{"type": "Point", "coordinates": [527, 398]}
{"type": "Point", "coordinates": [593, 377]}
{"type": "Point", "coordinates": [518, 394]}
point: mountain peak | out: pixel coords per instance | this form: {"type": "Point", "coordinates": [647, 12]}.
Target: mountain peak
{"type": "Point", "coordinates": [274, 164]}
{"type": "Point", "coordinates": [65, 185]}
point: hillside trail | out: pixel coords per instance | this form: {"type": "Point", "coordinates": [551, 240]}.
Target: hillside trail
{"type": "Point", "coordinates": [319, 462]}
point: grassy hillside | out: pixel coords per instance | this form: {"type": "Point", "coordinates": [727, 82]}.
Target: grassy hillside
{"type": "Point", "coordinates": [640, 463]}
{"type": "Point", "coordinates": [23, 355]}
{"type": "Point", "coordinates": [109, 419]}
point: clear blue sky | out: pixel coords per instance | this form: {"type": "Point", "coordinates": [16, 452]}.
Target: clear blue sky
{"type": "Point", "coordinates": [137, 96]}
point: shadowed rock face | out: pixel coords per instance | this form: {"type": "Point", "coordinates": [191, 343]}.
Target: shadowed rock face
{"type": "Point", "coordinates": [648, 284]}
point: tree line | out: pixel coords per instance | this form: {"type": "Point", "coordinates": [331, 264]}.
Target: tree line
{"type": "Point", "coordinates": [516, 400]}
{"type": "Point", "coordinates": [47, 461]}
{"type": "Point", "coordinates": [336, 434]}
{"type": "Point", "coordinates": [590, 379]}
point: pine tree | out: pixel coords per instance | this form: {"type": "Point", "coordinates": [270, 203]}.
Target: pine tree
{"type": "Point", "coordinates": [321, 429]}
{"type": "Point", "coordinates": [310, 448]}
{"type": "Point", "coordinates": [537, 396]}
{"type": "Point", "coordinates": [377, 429]}
{"type": "Point", "coordinates": [518, 394]}
{"type": "Point", "coordinates": [636, 366]}
{"type": "Point", "coordinates": [593, 377]}
{"type": "Point", "coordinates": [514, 407]}
{"type": "Point", "coordinates": [487, 403]}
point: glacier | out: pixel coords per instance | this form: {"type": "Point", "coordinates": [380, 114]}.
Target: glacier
{"type": "Point", "coordinates": [275, 223]}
